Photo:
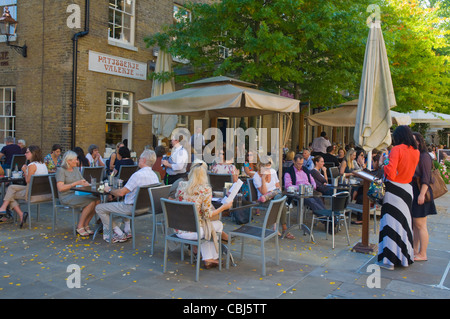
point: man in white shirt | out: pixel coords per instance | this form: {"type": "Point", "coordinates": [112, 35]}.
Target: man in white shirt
{"type": "Point", "coordinates": [320, 144]}
{"type": "Point", "coordinates": [144, 176]}
{"type": "Point", "coordinates": [176, 164]}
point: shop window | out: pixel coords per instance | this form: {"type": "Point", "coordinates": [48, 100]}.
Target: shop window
{"type": "Point", "coordinates": [7, 112]}
{"type": "Point", "coordinates": [118, 117]}
{"type": "Point", "coordinates": [121, 22]}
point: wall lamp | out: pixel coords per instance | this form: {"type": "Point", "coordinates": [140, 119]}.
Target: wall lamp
{"type": "Point", "coordinates": [8, 28]}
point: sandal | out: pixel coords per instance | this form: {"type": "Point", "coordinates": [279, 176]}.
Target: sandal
{"type": "Point", "coordinates": [288, 235]}
{"type": "Point", "coordinates": [89, 230]}
{"type": "Point", "coordinates": [82, 232]}
{"type": "Point", "coordinates": [211, 264]}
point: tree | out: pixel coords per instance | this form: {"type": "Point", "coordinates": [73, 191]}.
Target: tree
{"type": "Point", "coordinates": [414, 36]}
{"type": "Point", "coordinates": [314, 49]}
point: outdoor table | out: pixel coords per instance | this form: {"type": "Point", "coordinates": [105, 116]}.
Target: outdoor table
{"type": "Point", "coordinates": [102, 194]}
{"type": "Point", "coordinates": [299, 198]}
{"type": "Point", "coordinates": [9, 179]}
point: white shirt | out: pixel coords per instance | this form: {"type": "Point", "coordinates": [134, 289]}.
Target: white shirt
{"type": "Point", "coordinates": [144, 176]}
{"type": "Point", "coordinates": [270, 186]}
{"type": "Point", "coordinates": [41, 168]}
{"type": "Point", "coordinates": [320, 144]}
{"type": "Point", "coordinates": [179, 160]}
{"type": "Point", "coordinates": [91, 159]}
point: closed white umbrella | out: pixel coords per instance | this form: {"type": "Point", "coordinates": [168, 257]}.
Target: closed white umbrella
{"type": "Point", "coordinates": [376, 95]}
{"type": "Point", "coordinates": [163, 125]}
{"type": "Point", "coordinates": [373, 117]}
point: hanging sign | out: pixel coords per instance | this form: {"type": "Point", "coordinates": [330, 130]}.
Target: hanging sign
{"type": "Point", "coordinates": [104, 63]}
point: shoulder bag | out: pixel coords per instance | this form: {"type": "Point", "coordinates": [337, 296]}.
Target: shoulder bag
{"type": "Point", "coordinates": [437, 185]}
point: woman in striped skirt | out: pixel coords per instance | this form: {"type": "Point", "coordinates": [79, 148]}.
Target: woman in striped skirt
{"type": "Point", "coordinates": [395, 246]}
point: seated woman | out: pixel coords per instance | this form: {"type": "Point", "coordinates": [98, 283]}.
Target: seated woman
{"type": "Point", "coordinates": [341, 154]}
{"type": "Point", "coordinates": [250, 163]}
{"type": "Point", "coordinates": [123, 158]}
{"type": "Point", "coordinates": [348, 164]}
{"type": "Point", "coordinates": [112, 159]}
{"type": "Point", "coordinates": [53, 160]}
{"type": "Point", "coordinates": [225, 165]}
{"type": "Point", "coordinates": [68, 176]}
{"type": "Point", "coordinates": [268, 186]}
{"type": "Point", "coordinates": [82, 160]}
{"type": "Point", "coordinates": [360, 160]}
{"type": "Point", "coordinates": [197, 190]}
{"type": "Point", "coordinates": [16, 192]}
{"type": "Point", "coordinates": [319, 173]}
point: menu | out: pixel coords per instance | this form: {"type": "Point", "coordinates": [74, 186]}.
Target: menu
{"type": "Point", "coordinates": [234, 189]}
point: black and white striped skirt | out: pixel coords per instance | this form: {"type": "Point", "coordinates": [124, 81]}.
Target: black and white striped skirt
{"type": "Point", "coordinates": [395, 247]}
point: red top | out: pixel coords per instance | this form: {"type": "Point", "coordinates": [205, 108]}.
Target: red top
{"type": "Point", "coordinates": [402, 164]}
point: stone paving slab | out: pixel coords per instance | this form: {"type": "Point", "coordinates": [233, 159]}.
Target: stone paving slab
{"type": "Point", "coordinates": [33, 264]}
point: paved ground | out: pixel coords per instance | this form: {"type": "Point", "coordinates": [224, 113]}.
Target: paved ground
{"type": "Point", "coordinates": [33, 264]}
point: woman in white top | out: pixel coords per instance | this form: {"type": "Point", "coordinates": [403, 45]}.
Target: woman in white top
{"type": "Point", "coordinates": [268, 186]}
{"type": "Point", "coordinates": [16, 192]}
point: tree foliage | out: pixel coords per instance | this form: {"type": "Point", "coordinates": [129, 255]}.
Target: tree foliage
{"type": "Point", "coordinates": [314, 49]}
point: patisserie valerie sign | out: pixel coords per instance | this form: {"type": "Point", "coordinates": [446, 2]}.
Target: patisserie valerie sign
{"type": "Point", "coordinates": [104, 63]}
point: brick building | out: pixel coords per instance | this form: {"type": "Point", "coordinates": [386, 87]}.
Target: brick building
{"type": "Point", "coordinates": [113, 62]}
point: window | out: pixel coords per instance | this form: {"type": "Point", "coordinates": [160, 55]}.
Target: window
{"type": "Point", "coordinates": [180, 13]}
{"type": "Point", "coordinates": [12, 6]}
{"type": "Point", "coordinates": [121, 22]}
{"type": "Point", "coordinates": [118, 117]}
{"type": "Point", "coordinates": [7, 112]}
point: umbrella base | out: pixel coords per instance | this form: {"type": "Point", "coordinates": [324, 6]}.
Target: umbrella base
{"type": "Point", "coordinates": [370, 249]}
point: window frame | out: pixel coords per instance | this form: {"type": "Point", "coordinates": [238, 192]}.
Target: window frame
{"type": "Point", "coordinates": [11, 118]}
{"type": "Point", "coordinates": [132, 27]}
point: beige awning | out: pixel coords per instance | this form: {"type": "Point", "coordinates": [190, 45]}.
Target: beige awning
{"type": "Point", "coordinates": [345, 116]}
{"type": "Point", "coordinates": [219, 97]}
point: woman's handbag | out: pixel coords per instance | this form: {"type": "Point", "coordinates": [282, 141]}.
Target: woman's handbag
{"type": "Point", "coordinates": [376, 190]}
{"type": "Point", "coordinates": [437, 185]}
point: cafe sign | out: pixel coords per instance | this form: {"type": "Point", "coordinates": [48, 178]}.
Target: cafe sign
{"type": "Point", "coordinates": [104, 63]}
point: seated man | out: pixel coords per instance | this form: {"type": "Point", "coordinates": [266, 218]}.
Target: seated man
{"type": "Point", "coordinates": [8, 151]}
{"type": "Point", "coordinates": [328, 157]}
{"type": "Point", "coordinates": [296, 175]}
{"type": "Point", "coordinates": [144, 176]}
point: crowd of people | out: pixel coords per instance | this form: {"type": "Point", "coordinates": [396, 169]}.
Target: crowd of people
{"type": "Point", "coordinates": [408, 160]}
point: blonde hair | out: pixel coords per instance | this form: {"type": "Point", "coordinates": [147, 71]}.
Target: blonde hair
{"type": "Point", "coordinates": [198, 175]}
{"type": "Point", "coordinates": [290, 156]}
{"type": "Point", "coordinates": [348, 158]}
{"type": "Point", "coordinates": [264, 161]}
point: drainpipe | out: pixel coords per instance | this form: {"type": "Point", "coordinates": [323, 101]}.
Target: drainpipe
{"type": "Point", "coordinates": [74, 71]}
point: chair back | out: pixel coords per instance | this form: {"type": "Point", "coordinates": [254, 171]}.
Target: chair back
{"type": "Point", "coordinates": [125, 172]}
{"type": "Point", "coordinates": [156, 193]}
{"type": "Point", "coordinates": [217, 181]}
{"type": "Point", "coordinates": [334, 172]}
{"type": "Point", "coordinates": [53, 186]}
{"type": "Point", "coordinates": [274, 211]}
{"type": "Point", "coordinates": [180, 215]}
{"type": "Point", "coordinates": [339, 201]}
{"type": "Point", "coordinates": [329, 164]}
{"type": "Point", "coordinates": [19, 160]}
{"type": "Point", "coordinates": [93, 172]}
{"type": "Point", "coordinates": [253, 192]}
{"type": "Point", "coordinates": [39, 186]}
{"type": "Point", "coordinates": [142, 202]}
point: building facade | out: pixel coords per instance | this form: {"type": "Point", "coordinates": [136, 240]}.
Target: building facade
{"type": "Point", "coordinates": [58, 95]}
